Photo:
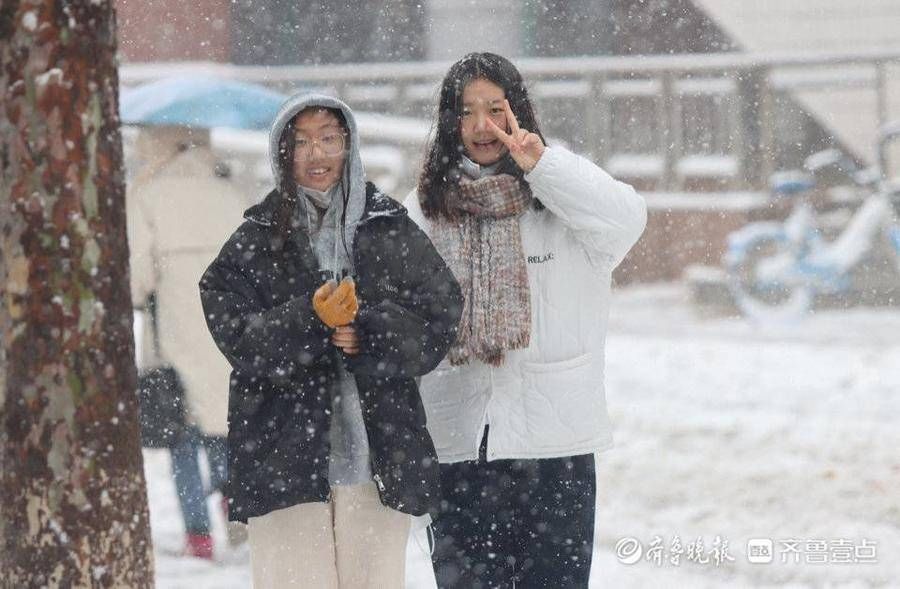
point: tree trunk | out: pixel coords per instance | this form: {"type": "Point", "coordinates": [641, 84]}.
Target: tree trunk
{"type": "Point", "coordinates": [73, 502]}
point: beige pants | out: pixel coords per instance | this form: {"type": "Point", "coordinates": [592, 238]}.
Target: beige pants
{"type": "Point", "coordinates": [352, 542]}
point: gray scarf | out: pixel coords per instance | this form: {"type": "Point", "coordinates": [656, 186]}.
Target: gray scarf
{"type": "Point", "coordinates": [319, 215]}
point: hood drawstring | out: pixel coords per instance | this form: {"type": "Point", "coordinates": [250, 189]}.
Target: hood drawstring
{"type": "Point", "coordinates": [341, 230]}
{"type": "Point", "coordinates": [338, 238]}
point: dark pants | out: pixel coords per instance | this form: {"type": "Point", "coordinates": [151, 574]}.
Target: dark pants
{"type": "Point", "coordinates": [189, 482]}
{"type": "Point", "coordinates": [527, 523]}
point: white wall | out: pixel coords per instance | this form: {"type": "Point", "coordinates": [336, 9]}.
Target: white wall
{"type": "Point", "coordinates": [808, 25]}
{"type": "Point", "coordinates": [823, 26]}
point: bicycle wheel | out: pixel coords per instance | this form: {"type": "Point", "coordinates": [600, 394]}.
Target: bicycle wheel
{"type": "Point", "coordinates": [759, 267]}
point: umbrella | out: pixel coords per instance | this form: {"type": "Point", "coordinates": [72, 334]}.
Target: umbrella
{"type": "Point", "coordinates": [200, 102]}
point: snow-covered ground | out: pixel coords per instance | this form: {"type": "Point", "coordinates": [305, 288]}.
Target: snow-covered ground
{"type": "Point", "coordinates": [723, 428]}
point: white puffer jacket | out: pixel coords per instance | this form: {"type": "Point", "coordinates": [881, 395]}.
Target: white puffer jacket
{"type": "Point", "coordinates": [547, 400]}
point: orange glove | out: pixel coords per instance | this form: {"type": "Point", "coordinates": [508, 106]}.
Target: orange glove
{"type": "Point", "coordinates": [336, 304]}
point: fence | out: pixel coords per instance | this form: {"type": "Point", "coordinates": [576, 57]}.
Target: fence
{"type": "Point", "coordinates": [666, 123]}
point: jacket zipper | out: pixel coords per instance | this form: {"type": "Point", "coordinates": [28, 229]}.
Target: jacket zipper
{"type": "Point", "coordinates": [486, 420]}
{"type": "Point", "coordinates": [378, 482]}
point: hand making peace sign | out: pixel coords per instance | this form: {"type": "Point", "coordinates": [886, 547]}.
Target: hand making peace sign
{"type": "Point", "coordinates": [525, 147]}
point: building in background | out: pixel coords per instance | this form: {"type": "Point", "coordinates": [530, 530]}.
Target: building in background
{"type": "Point", "coordinates": [271, 32]}
{"type": "Point", "coordinates": [677, 97]}
{"type": "Point", "coordinates": [309, 32]}
{"type": "Point", "coordinates": [305, 32]}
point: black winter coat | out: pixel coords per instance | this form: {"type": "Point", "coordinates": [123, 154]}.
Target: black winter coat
{"type": "Point", "coordinates": [258, 305]}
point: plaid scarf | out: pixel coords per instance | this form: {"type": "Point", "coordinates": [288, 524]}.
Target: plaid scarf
{"type": "Point", "coordinates": [484, 251]}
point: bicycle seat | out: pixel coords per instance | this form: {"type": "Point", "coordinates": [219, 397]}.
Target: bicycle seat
{"type": "Point", "coordinates": [790, 182]}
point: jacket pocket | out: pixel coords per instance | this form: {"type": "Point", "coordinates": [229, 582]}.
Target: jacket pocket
{"type": "Point", "coordinates": [561, 401]}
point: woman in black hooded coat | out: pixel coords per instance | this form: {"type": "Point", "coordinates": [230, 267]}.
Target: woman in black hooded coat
{"type": "Point", "coordinates": [290, 369]}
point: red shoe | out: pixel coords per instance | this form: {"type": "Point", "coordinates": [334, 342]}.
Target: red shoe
{"type": "Point", "coordinates": [199, 546]}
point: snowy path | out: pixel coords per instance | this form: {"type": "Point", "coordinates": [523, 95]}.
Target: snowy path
{"type": "Point", "coordinates": [723, 429]}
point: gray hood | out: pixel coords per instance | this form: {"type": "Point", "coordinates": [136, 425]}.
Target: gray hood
{"type": "Point", "coordinates": [354, 175]}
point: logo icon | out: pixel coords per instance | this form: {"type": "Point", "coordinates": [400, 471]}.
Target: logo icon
{"type": "Point", "coordinates": [760, 550]}
{"type": "Point", "coordinates": [629, 550]}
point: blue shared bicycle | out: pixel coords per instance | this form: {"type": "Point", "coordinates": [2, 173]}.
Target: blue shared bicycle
{"type": "Point", "coordinates": [778, 269]}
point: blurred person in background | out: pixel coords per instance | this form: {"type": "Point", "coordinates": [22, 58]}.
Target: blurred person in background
{"type": "Point", "coordinates": [328, 302]}
{"type": "Point", "coordinates": [180, 209]}
{"type": "Point", "coordinates": [532, 233]}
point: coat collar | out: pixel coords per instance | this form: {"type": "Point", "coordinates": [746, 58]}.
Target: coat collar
{"type": "Point", "coordinates": [378, 204]}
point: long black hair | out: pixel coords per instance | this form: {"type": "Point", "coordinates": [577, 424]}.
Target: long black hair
{"type": "Point", "coordinates": [288, 189]}
{"type": "Point", "coordinates": [441, 173]}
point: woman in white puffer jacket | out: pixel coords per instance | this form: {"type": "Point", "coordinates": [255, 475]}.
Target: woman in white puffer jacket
{"type": "Point", "coordinates": [517, 410]}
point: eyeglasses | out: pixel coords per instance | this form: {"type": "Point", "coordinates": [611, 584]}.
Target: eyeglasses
{"type": "Point", "coordinates": [331, 144]}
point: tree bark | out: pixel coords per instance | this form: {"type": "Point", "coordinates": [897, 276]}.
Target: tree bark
{"type": "Point", "coordinates": [73, 502]}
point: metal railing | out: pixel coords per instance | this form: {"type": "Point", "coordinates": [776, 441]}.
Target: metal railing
{"type": "Point", "coordinates": [681, 122]}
